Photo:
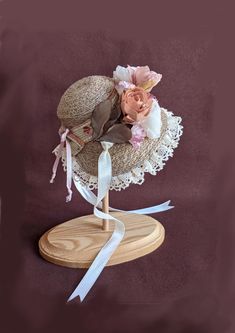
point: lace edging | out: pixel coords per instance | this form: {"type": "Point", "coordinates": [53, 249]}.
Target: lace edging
{"type": "Point", "coordinates": [156, 163]}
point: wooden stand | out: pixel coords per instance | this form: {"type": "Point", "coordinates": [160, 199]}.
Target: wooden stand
{"type": "Point", "coordinates": [105, 209]}
{"type": "Point", "coordinates": [76, 243]}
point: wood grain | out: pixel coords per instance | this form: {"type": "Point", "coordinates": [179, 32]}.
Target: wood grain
{"type": "Point", "coordinates": [105, 209]}
{"type": "Point", "coordinates": [76, 243]}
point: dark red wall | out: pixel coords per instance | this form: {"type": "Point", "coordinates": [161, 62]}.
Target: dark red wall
{"type": "Point", "coordinates": [187, 286]}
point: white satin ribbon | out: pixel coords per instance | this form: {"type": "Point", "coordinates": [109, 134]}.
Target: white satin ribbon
{"type": "Point", "coordinates": [108, 249]}
{"type": "Point", "coordinates": [101, 259]}
{"type": "Point", "coordinates": [90, 197]}
{"type": "Point", "coordinates": [104, 180]}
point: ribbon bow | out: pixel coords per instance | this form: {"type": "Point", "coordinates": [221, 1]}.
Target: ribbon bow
{"type": "Point", "coordinates": [80, 134]}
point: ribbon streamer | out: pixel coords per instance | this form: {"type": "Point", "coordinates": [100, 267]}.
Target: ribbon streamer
{"type": "Point", "coordinates": [108, 249]}
{"type": "Point", "coordinates": [69, 173]}
{"type": "Point", "coordinates": [90, 197]}
{"type": "Point", "coordinates": [104, 180]}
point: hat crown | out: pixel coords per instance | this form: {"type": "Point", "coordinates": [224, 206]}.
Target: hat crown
{"type": "Point", "coordinates": [79, 100]}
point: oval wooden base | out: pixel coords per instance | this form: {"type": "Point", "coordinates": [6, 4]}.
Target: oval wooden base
{"type": "Point", "coordinates": [76, 243]}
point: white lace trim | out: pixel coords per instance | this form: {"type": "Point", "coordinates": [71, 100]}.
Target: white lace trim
{"type": "Point", "coordinates": [169, 142]}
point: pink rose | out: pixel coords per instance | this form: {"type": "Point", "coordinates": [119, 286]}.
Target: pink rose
{"type": "Point", "coordinates": [135, 104]}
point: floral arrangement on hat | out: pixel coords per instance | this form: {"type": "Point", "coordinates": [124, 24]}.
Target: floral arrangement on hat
{"type": "Point", "coordinates": [136, 115]}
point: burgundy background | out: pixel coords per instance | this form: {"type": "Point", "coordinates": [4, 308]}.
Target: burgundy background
{"type": "Point", "coordinates": [187, 285]}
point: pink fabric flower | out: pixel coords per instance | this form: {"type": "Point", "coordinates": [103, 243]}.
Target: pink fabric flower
{"type": "Point", "coordinates": [145, 78]}
{"type": "Point", "coordinates": [138, 135]}
{"type": "Point", "coordinates": [135, 104]}
{"type": "Point", "coordinates": [140, 76]}
{"type": "Point", "coordinates": [123, 85]}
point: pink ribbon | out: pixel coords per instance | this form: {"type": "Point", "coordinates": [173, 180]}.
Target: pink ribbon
{"type": "Point", "coordinates": [64, 141]}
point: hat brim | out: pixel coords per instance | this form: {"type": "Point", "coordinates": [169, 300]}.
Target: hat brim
{"type": "Point", "coordinates": [128, 164]}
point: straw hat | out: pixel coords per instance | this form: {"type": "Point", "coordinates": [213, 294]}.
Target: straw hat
{"type": "Point", "coordinates": [136, 148]}
{"type": "Point", "coordinates": [112, 132]}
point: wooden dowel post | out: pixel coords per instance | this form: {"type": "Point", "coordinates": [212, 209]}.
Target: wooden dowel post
{"type": "Point", "coordinates": [105, 209]}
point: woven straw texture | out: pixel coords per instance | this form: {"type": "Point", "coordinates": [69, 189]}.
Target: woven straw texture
{"type": "Point", "coordinates": [80, 99]}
